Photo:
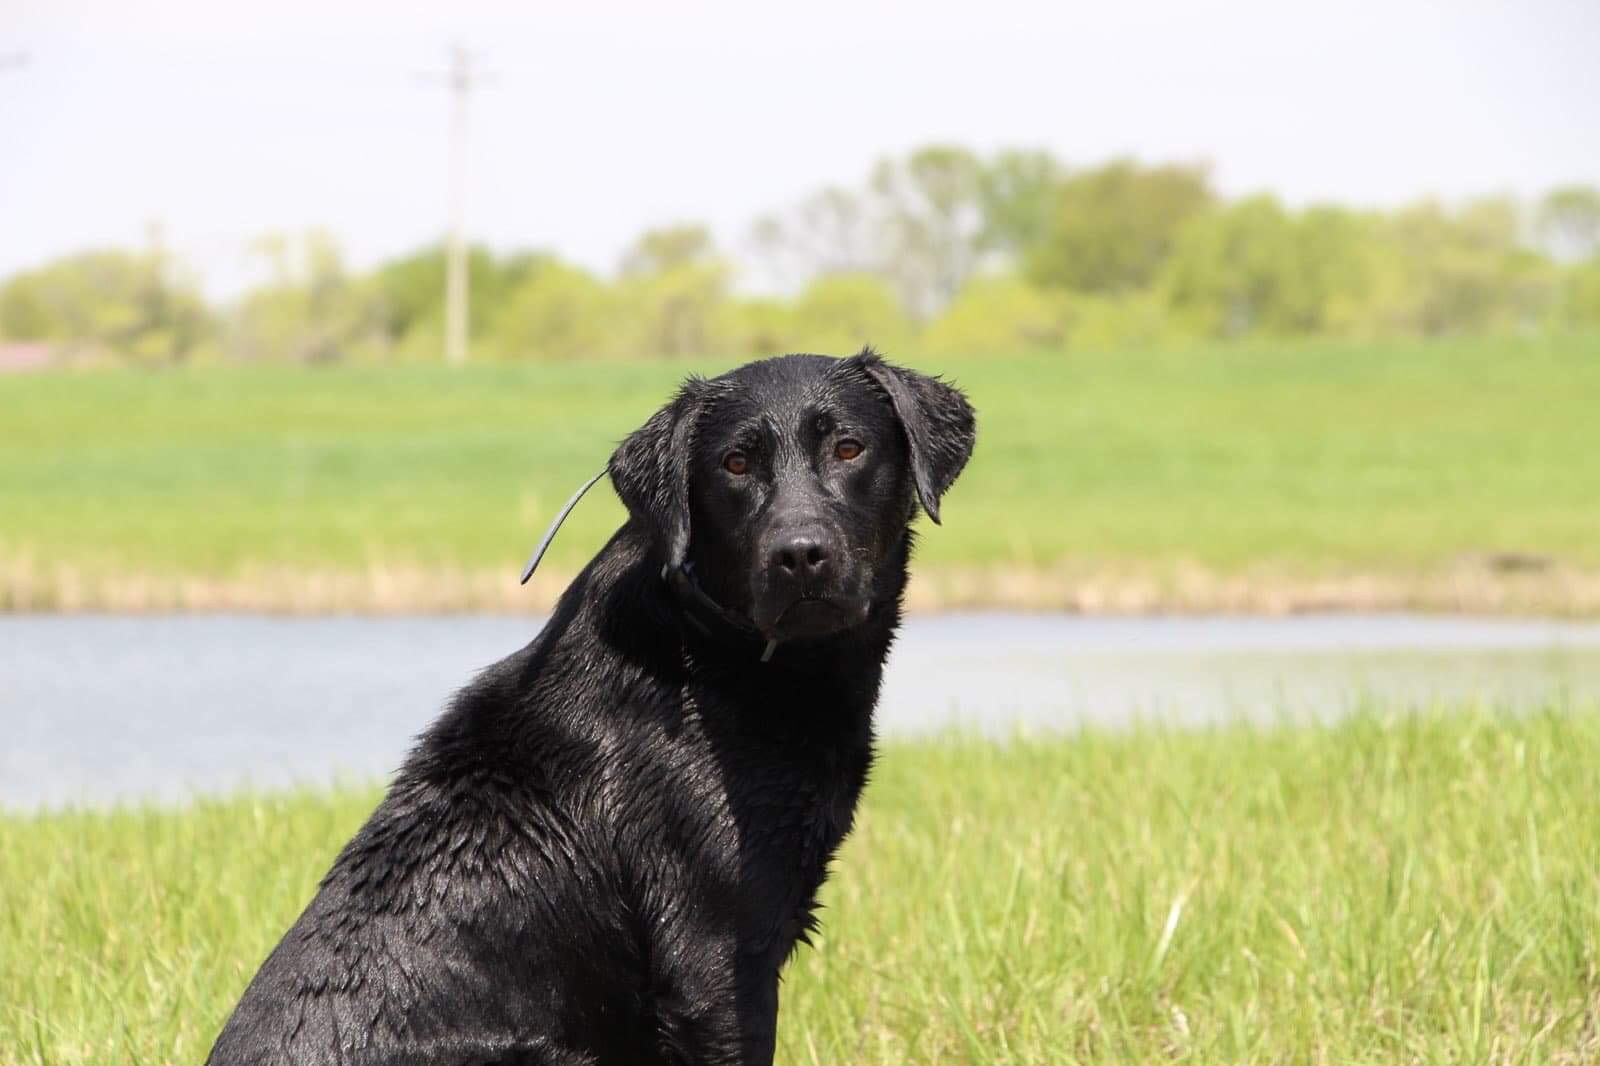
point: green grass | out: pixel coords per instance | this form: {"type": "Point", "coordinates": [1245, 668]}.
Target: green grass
{"type": "Point", "coordinates": [1392, 888]}
{"type": "Point", "coordinates": [1299, 459]}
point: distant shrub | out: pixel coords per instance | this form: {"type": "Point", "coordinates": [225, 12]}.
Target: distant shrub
{"type": "Point", "coordinates": [1577, 303]}
{"type": "Point", "coordinates": [761, 327]}
{"type": "Point", "coordinates": [560, 312]}
{"type": "Point", "coordinates": [940, 250]}
{"type": "Point", "coordinates": [839, 313]}
{"type": "Point", "coordinates": [122, 303]}
{"type": "Point", "coordinates": [677, 312]}
{"type": "Point", "coordinates": [999, 315]}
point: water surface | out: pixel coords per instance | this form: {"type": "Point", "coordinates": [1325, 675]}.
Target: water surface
{"type": "Point", "coordinates": [101, 708]}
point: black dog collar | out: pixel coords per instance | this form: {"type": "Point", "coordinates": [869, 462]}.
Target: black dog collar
{"type": "Point", "coordinates": [692, 598]}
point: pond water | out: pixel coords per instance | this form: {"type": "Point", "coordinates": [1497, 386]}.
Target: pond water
{"type": "Point", "coordinates": [95, 709]}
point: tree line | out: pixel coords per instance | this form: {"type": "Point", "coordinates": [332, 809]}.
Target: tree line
{"type": "Point", "coordinates": [940, 251]}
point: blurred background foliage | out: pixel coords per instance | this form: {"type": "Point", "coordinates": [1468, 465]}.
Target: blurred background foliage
{"type": "Point", "coordinates": [940, 251]}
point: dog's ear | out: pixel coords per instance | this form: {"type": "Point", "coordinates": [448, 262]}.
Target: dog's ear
{"type": "Point", "coordinates": [939, 424]}
{"type": "Point", "coordinates": [650, 470]}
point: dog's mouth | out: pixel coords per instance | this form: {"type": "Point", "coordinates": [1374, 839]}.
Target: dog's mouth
{"type": "Point", "coordinates": [816, 616]}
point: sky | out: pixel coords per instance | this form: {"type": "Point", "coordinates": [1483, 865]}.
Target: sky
{"type": "Point", "coordinates": [224, 121]}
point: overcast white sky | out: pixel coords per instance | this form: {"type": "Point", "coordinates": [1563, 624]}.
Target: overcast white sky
{"type": "Point", "coordinates": [227, 119]}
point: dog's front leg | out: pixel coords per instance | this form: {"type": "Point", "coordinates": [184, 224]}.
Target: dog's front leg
{"type": "Point", "coordinates": [717, 1007]}
{"type": "Point", "coordinates": [756, 1003]}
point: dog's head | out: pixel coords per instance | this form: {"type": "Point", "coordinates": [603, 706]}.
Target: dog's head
{"type": "Point", "coordinates": [789, 483]}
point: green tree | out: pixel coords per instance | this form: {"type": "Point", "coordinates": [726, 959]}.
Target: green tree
{"type": "Point", "coordinates": [135, 306]}
{"type": "Point", "coordinates": [658, 251]}
{"type": "Point", "coordinates": [674, 289]}
{"type": "Point", "coordinates": [931, 208]}
{"type": "Point", "coordinates": [560, 312]}
{"type": "Point", "coordinates": [410, 290]}
{"type": "Point", "coordinates": [1254, 267]}
{"type": "Point", "coordinates": [925, 222]}
{"type": "Point", "coordinates": [761, 327]}
{"type": "Point", "coordinates": [312, 310]}
{"type": "Point", "coordinates": [829, 232]}
{"type": "Point", "coordinates": [1017, 191]}
{"type": "Point", "coordinates": [1568, 222]}
{"type": "Point", "coordinates": [999, 315]}
{"type": "Point", "coordinates": [839, 313]}
{"type": "Point", "coordinates": [1577, 299]}
{"type": "Point", "coordinates": [1112, 227]}
{"type": "Point", "coordinates": [1466, 271]}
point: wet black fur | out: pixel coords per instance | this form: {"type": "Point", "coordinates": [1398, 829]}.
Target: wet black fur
{"type": "Point", "coordinates": [608, 845]}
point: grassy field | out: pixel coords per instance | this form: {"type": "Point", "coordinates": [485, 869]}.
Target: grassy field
{"type": "Point", "coordinates": [1391, 888]}
{"type": "Point", "coordinates": [1460, 474]}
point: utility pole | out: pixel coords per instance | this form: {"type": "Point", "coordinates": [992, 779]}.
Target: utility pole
{"type": "Point", "coordinates": [461, 78]}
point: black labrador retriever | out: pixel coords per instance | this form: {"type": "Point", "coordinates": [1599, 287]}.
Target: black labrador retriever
{"type": "Point", "coordinates": [608, 845]}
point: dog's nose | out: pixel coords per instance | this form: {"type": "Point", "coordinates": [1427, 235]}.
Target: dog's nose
{"type": "Point", "coordinates": [802, 555]}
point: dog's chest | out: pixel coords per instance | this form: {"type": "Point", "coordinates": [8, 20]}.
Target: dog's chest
{"type": "Point", "coordinates": [788, 829]}
{"type": "Point", "coordinates": [783, 806]}
{"type": "Point", "coordinates": [795, 810]}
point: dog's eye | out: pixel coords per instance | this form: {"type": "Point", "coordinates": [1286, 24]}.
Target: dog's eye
{"type": "Point", "coordinates": [847, 449]}
{"type": "Point", "coordinates": [735, 463]}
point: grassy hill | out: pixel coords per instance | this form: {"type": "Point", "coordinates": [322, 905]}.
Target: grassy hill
{"type": "Point", "coordinates": [1440, 474]}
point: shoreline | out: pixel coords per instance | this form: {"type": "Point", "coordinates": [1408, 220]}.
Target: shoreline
{"type": "Point", "coordinates": [1472, 587]}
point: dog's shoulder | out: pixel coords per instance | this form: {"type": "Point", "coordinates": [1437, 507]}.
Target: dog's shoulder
{"type": "Point", "coordinates": [471, 883]}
